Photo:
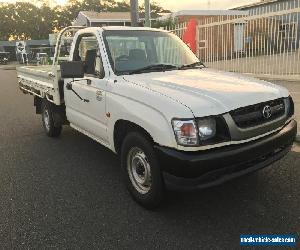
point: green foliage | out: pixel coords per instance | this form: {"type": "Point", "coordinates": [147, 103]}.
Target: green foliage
{"type": "Point", "coordinates": [6, 23]}
{"type": "Point", "coordinates": [27, 21]}
{"type": "Point", "coordinates": [168, 23]}
{"type": "Point", "coordinates": [155, 8]}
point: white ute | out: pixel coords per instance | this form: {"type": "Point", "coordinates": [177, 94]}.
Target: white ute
{"type": "Point", "coordinates": [174, 122]}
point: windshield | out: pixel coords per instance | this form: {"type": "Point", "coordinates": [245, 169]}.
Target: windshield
{"type": "Point", "coordinates": [130, 51]}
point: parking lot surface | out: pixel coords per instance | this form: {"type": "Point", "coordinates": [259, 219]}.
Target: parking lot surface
{"type": "Point", "coordinates": [67, 193]}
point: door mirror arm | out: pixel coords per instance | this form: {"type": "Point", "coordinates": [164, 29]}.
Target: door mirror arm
{"type": "Point", "coordinates": [88, 81]}
{"type": "Point", "coordinates": [69, 86]}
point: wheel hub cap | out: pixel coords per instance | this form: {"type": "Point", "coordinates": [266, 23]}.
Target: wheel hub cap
{"type": "Point", "coordinates": [139, 170]}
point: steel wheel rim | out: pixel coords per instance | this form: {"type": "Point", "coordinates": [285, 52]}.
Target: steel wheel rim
{"type": "Point", "coordinates": [47, 119]}
{"type": "Point", "coordinates": [139, 170]}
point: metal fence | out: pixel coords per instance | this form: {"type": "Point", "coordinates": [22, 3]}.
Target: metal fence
{"type": "Point", "coordinates": [177, 29]}
{"type": "Point", "coordinates": [264, 43]}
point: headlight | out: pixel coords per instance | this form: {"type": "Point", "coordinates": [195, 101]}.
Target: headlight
{"type": "Point", "coordinates": [202, 131]}
{"type": "Point", "coordinates": [185, 132]}
{"type": "Point", "coordinates": [207, 128]}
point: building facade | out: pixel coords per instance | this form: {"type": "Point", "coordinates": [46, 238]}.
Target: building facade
{"type": "Point", "coordinates": [288, 23]}
{"type": "Point", "coordinates": [186, 15]}
{"type": "Point", "coordinates": [99, 19]}
{"type": "Point", "coordinates": [265, 6]}
{"type": "Point", "coordinates": [32, 47]}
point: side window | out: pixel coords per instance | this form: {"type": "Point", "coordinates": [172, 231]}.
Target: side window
{"type": "Point", "coordinates": [87, 51]}
{"type": "Point", "coordinates": [123, 47]}
{"type": "Point", "coordinates": [128, 53]}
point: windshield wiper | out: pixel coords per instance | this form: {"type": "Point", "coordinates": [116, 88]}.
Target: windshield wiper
{"type": "Point", "coordinates": [192, 65]}
{"type": "Point", "coordinates": [155, 67]}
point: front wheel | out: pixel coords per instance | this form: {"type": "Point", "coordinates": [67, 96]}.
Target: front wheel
{"type": "Point", "coordinates": [142, 171]}
{"type": "Point", "coordinates": [50, 128]}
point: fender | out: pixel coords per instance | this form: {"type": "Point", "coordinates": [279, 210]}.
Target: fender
{"type": "Point", "coordinates": [149, 118]}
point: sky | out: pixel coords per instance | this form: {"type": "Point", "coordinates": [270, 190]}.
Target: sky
{"type": "Point", "coordinates": [175, 5]}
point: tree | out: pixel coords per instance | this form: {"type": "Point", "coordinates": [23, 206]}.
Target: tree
{"type": "Point", "coordinates": [27, 21]}
{"type": "Point", "coordinates": [168, 23]}
{"type": "Point", "coordinates": [156, 9]}
{"type": "Point", "coordinates": [122, 6]}
{"type": "Point", "coordinates": [6, 20]}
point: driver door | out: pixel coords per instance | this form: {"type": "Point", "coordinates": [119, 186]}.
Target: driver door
{"type": "Point", "coordinates": [89, 116]}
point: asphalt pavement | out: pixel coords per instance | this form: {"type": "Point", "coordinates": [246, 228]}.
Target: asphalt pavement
{"type": "Point", "coordinates": [67, 193]}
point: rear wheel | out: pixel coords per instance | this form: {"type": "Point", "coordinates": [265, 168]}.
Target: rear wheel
{"type": "Point", "coordinates": [141, 170]}
{"type": "Point", "coordinates": [50, 128]}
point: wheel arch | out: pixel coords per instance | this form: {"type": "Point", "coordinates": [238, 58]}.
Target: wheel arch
{"type": "Point", "coordinates": [37, 102]}
{"type": "Point", "coordinates": [122, 128]}
{"type": "Point", "coordinates": [59, 112]}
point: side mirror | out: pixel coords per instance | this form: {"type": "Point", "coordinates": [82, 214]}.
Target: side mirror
{"type": "Point", "coordinates": [72, 69]}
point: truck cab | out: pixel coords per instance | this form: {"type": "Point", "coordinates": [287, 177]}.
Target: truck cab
{"type": "Point", "coordinates": [174, 123]}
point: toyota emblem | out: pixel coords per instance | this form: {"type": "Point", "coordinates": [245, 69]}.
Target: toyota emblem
{"type": "Point", "coordinates": [267, 112]}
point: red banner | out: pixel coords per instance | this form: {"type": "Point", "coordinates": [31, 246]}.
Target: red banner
{"type": "Point", "coordinates": [189, 36]}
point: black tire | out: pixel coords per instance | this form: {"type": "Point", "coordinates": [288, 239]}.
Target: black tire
{"type": "Point", "coordinates": [50, 128]}
{"type": "Point", "coordinates": [153, 194]}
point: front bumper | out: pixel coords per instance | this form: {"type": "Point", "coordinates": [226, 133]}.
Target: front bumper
{"type": "Point", "coordinates": [190, 170]}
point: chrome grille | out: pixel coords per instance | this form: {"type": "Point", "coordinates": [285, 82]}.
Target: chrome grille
{"type": "Point", "coordinates": [258, 114]}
